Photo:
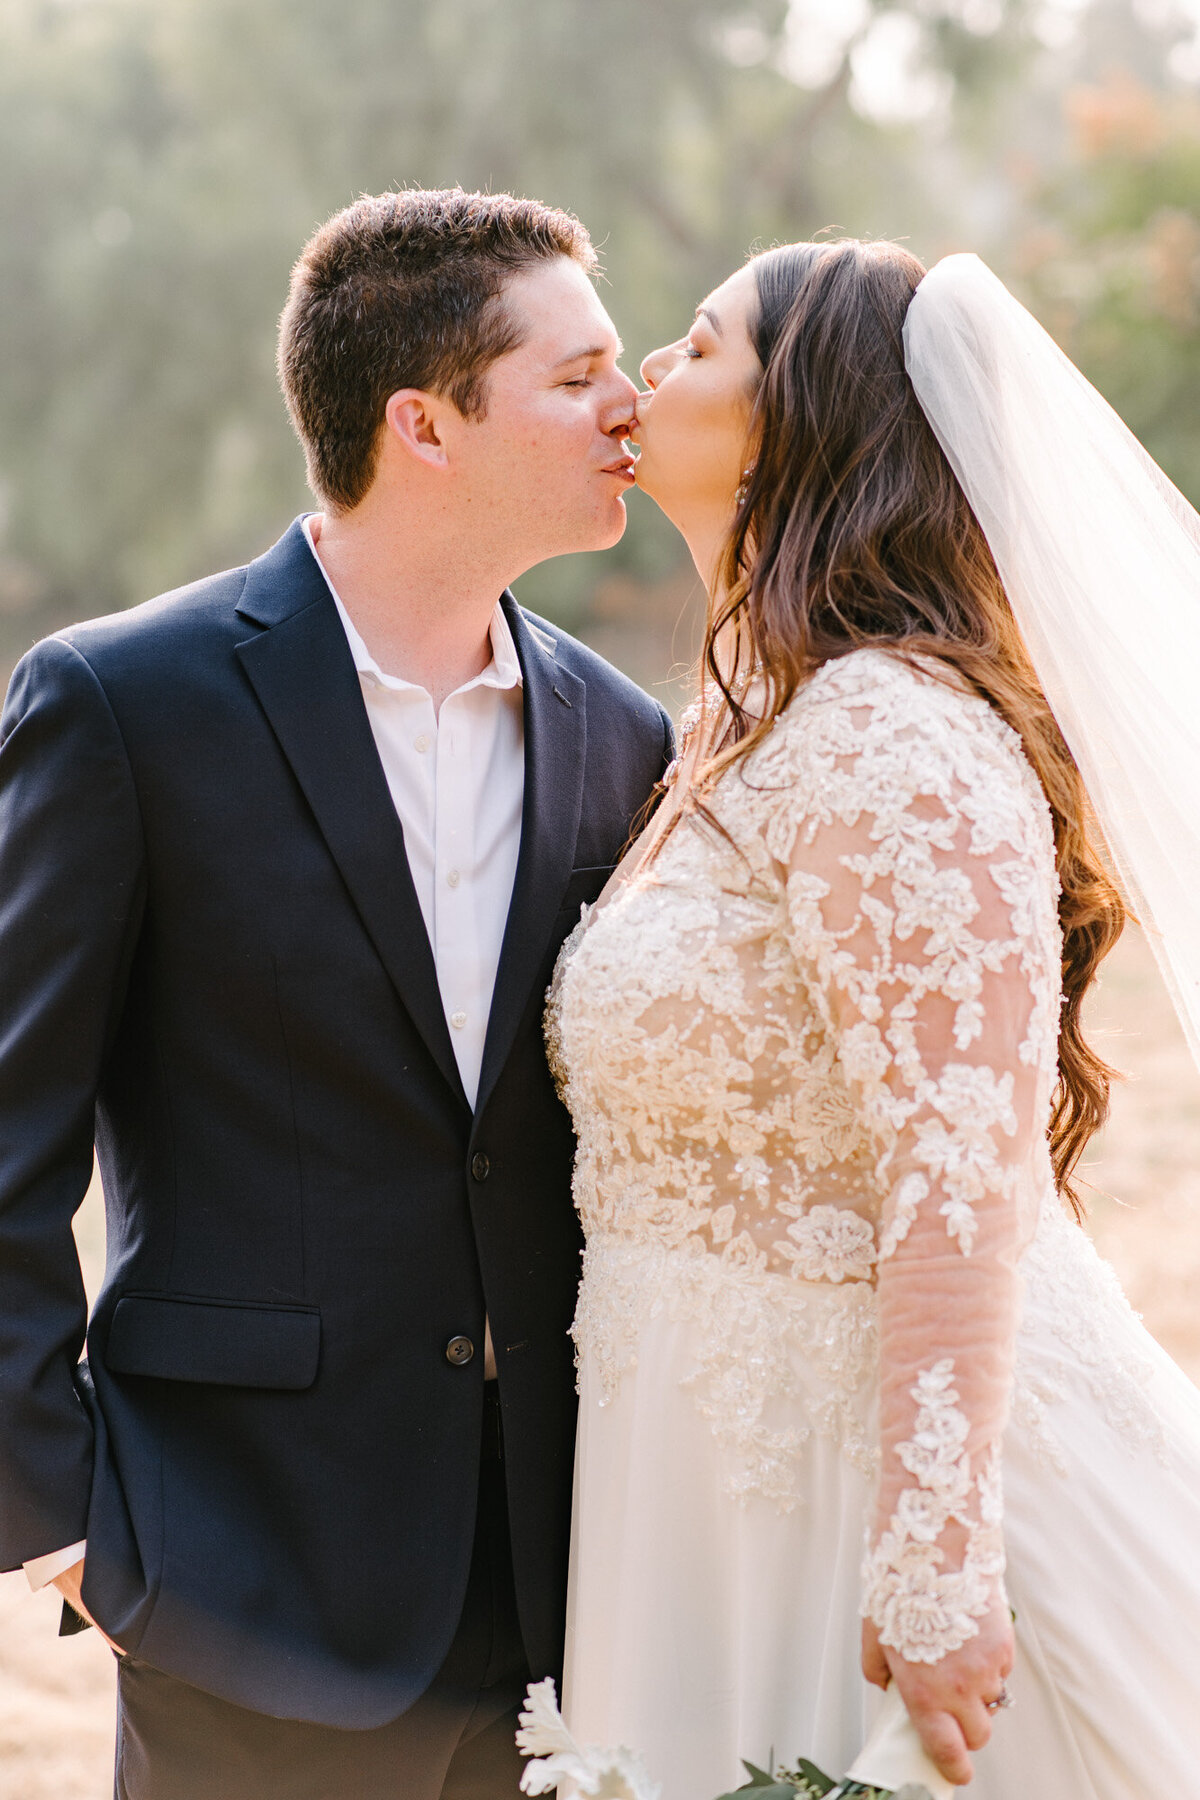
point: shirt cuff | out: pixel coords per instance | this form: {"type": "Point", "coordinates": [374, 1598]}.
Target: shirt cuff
{"type": "Point", "coordinates": [41, 1570]}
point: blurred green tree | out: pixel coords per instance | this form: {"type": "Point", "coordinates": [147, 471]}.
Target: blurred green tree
{"type": "Point", "coordinates": [1111, 260]}
{"type": "Point", "coordinates": [161, 161]}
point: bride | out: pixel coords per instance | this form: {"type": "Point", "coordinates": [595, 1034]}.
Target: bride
{"type": "Point", "coordinates": [857, 1396]}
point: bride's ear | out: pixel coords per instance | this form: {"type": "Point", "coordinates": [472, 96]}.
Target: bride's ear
{"type": "Point", "coordinates": [413, 418]}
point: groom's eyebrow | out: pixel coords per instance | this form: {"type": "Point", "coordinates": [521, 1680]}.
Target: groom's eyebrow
{"type": "Point", "coordinates": [589, 354]}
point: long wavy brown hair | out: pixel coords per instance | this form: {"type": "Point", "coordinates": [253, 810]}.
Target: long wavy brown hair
{"type": "Point", "coordinates": [852, 530]}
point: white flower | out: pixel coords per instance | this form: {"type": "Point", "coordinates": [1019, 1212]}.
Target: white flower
{"type": "Point", "coordinates": [974, 1098]}
{"type": "Point", "coordinates": [961, 981]}
{"type": "Point", "coordinates": [741, 1252]}
{"type": "Point", "coordinates": [920, 1515]}
{"type": "Point", "coordinates": [830, 1243]}
{"type": "Point", "coordinates": [542, 1728]}
{"type": "Point", "coordinates": [907, 1198]}
{"type": "Point", "coordinates": [721, 1223]}
{"type": "Point", "coordinates": [991, 1490]}
{"type": "Point", "coordinates": [935, 1386]}
{"type": "Point", "coordinates": [864, 1055]}
{"type": "Point", "coordinates": [602, 1774]}
{"type": "Point", "coordinates": [1019, 884]}
{"type": "Point", "coordinates": [968, 1024]}
{"type": "Point", "coordinates": [922, 1623]}
{"type": "Point", "coordinates": [961, 1223]}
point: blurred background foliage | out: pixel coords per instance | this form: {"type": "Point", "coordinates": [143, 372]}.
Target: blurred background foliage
{"type": "Point", "coordinates": [161, 162]}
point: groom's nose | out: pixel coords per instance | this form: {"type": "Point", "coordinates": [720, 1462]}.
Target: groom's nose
{"type": "Point", "coordinates": [620, 413]}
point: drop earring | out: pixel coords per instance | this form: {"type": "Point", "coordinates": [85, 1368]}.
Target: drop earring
{"type": "Point", "coordinates": [743, 487]}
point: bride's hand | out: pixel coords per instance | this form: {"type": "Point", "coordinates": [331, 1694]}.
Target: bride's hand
{"type": "Point", "coordinates": [948, 1701]}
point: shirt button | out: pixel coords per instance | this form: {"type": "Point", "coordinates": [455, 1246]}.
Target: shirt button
{"type": "Point", "coordinates": [459, 1351]}
{"type": "Point", "coordinates": [421, 743]}
{"type": "Point", "coordinates": [453, 878]}
{"type": "Point", "coordinates": [480, 1166]}
{"type": "Point", "coordinates": [458, 1020]}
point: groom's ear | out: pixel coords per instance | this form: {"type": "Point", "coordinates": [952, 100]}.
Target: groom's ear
{"type": "Point", "coordinates": [415, 419]}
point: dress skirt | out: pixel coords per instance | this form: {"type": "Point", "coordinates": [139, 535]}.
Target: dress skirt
{"type": "Point", "coordinates": [723, 1486]}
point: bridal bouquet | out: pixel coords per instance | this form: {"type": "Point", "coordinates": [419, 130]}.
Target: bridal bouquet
{"type": "Point", "coordinates": [807, 1782]}
{"type": "Point", "coordinates": [892, 1766]}
{"type": "Point", "coordinates": [891, 1763]}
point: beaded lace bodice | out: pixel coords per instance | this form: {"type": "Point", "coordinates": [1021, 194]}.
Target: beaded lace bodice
{"type": "Point", "coordinates": [810, 1069]}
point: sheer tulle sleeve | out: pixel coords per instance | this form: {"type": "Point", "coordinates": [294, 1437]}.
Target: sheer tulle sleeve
{"type": "Point", "coordinates": [923, 916]}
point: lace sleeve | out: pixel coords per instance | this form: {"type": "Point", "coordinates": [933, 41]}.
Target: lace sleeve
{"type": "Point", "coordinates": [922, 909]}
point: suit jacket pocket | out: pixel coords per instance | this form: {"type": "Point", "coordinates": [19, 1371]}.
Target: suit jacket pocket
{"type": "Point", "coordinates": [225, 1342]}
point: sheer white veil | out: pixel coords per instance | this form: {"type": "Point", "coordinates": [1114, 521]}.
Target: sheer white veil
{"type": "Point", "coordinates": [1100, 557]}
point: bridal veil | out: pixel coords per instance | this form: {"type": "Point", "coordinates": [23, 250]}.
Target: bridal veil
{"type": "Point", "coordinates": [1100, 557]}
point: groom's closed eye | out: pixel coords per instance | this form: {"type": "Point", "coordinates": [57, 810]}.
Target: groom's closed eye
{"type": "Point", "coordinates": [586, 361]}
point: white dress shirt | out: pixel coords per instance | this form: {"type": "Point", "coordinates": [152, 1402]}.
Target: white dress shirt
{"type": "Point", "coordinates": [457, 781]}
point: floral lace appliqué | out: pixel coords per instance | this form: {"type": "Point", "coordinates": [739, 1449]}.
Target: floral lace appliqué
{"type": "Point", "coordinates": [809, 1055]}
{"type": "Point", "coordinates": [924, 1609]}
{"type": "Point", "coordinates": [773, 1361]}
{"type": "Point", "coordinates": [1069, 1284]}
{"type": "Point", "coordinates": [827, 1243]}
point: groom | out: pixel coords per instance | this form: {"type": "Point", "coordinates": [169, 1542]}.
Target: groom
{"type": "Point", "coordinates": [286, 858]}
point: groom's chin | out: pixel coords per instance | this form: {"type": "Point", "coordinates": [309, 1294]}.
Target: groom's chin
{"type": "Point", "coordinates": [612, 530]}
{"type": "Point", "coordinates": [599, 532]}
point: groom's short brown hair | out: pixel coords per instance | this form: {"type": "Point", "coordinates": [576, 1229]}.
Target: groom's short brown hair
{"type": "Point", "coordinates": [404, 290]}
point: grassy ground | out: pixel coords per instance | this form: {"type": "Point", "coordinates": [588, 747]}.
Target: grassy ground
{"type": "Point", "coordinates": [1144, 1196]}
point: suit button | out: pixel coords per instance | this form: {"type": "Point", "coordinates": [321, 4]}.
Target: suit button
{"type": "Point", "coordinates": [459, 1351]}
{"type": "Point", "coordinates": [480, 1166]}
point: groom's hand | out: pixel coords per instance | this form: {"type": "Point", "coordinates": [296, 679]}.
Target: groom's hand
{"type": "Point", "coordinates": [947, 1701]}
{"type": "Point", "coordinates": [68, 1585]}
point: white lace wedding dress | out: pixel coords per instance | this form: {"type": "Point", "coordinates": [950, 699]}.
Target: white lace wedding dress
{"type": "Point", "coordinates": [841, 1347]}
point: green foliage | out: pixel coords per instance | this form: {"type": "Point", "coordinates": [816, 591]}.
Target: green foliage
{"type": "Point", "coordinates": [163, 160]}
{"type": "Point", "coordinates": [1113, 265]}
{"type": "Point", "coordinates": [807, 1782]}
{"type": "Point", "coordinates": [765, 1786]}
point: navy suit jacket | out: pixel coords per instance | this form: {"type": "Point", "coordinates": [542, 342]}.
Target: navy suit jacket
{"type": "Point", "coordinates": [213, 963]}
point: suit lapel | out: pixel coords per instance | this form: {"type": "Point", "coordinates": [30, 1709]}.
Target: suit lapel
{"type": "Point", "coordinates": [304, 676]}
{"type": "Point", "coordinates": [555, 745]}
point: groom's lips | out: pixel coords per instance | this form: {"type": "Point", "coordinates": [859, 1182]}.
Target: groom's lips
{"type": "Point", "coordinates": [624, 467]}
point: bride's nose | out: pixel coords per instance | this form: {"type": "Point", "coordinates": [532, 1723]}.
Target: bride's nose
{"type": "Point", "coordinates": [654, 366]}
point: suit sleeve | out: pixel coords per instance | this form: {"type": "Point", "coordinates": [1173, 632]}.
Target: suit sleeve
{"type": "Point", "coordinates": [669, 749]}
{"type": "Point", "coordinates": [71, 898]}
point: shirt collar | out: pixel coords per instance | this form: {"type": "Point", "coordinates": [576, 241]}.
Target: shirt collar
{"type": "Point", "coordinates": [504, 670]}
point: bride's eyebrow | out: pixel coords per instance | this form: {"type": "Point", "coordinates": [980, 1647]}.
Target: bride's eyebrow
{"type": "Point", "coordinates": [706, 312]}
